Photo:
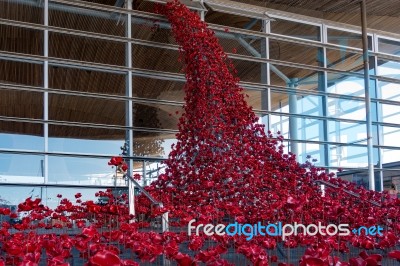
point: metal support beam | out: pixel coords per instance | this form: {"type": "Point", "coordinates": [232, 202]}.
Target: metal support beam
{"type": "Point", "coordinates": [293, 128]}
{"type": "Point", "coordinates": [46, 93]}
{"type": "Point", "coordinates": [129, 108]}
{"type": "Point", "coordinates": [371, 174]}
{"type": "Point", "coordinates": [265, 67]}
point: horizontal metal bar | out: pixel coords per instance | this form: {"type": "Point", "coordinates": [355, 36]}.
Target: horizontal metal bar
{"type": "Point", "coordinates": [59, 185]}
{"type": "Point", "coordinates": [91, 125]}
{"type": "Point", "coordinates": [80, 155]}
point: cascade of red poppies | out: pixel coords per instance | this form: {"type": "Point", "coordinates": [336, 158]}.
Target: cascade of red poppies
{"type": "Point", "coordinates": [224, 167]}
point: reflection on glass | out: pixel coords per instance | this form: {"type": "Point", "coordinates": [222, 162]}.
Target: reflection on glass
{"type": "Point", "coordinates": [85, 140]}
{"type": "Point", "coordinates": [18, 168]}
{"type": "Point", "coordinates": [21, 136]}
{"type": "Point", "coordinates": [81, 171]}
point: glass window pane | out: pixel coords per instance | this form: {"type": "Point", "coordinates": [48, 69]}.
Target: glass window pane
{"type": "Point", "coordinates": [295, 29]}
{"type": "Point", "coordinates": [347, 38]}
{"type": "Point", "coordinates": [85, 140]}
{"type": "Point", "coordinates": [149, 30]}
{"type": "Point", "coordinates": [388, 46]}
{"type": "Point", "coordinates": [390, 136]}
{"type": "Point", "coordinates": [21, 73]}
{"type": "Point", "coordinates": [344, 60]}
{"type": "Point", "coordinates": [86, 49]}
{"type": "Point", "coordinates": [156, 115]}
{"type": "Point", "coordinates": [249, 71]}
{"type": "Point", "coordinates": [390, 113]}
{"type": "Point", "coordinates": [344, 132]}
{"type": "Point", "coordinates": [152, 144]}
{"type": "Point", "coordinates": [167, 59]}
{"type": "Point", "coordinates": [303, 79]}
{"type": "Point", "coordinates": [389, 69]}
{"type": "Point", "coordinates": [29, 12]}
{"type": "Point", "coordinates": [86, 80]}
{"type": "Point", "coordinates": [280, 123]}
{"type": "Point", "coordinates": [239, 43]}
{"type": "Point", "coordinates": [346, 84]}
{"type": "Point", "coordinates": [50, 194]}
{"type": "Point", "coordinates": [305, 104]}
{"type": "Point", "coordinates": [390, 155]}
{"type": "Point", "coordinates": [284, 51]}
{"type": "Point", "coordinates": [235, 21]}
{"type": "Point", "coordinates": [346, 109]}
{"type": "Point", "coordinates": [257, 99]}
{"type": "Point", "coordinates": [11, 104]}
{"type": "Point", "coordinates": [84, 19]}
{"type": "Point", "coordinates": [86, 109]}
{"type": "Point", "coordinates": [21, 40]}
{"type": "Point", "coordinates": [313, 150]}
{"type": "Point", "coordinates": [389, 91]}
{"type": "Point", "coordinates": [18, 168]}
{"type": "Point", "coordinates": [158, 89]}
{"type": "Point", "coordinates": [80, 171]}
{"type": "Point", "coordinates": [21, 136]}
{"type": "Point", "coordinates": [348, 156]}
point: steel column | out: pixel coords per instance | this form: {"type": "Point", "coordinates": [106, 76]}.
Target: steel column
{"type": "Point", "coordinates": [371, 174]}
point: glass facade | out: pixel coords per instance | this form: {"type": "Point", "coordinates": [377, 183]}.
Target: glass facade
{"type": "Point", "coordinates": [78, 80]}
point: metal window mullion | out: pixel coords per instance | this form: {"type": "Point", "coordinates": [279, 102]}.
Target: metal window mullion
{"type": "Point", "coordinates": [266, 27]}
{"type": "Point", "coordinates": [129, 106]}
{"type": "Point", "coordinates": [324, 97]}
{"type": "Point", "coordinates": [46, 93]}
